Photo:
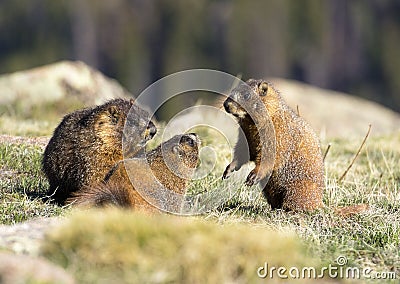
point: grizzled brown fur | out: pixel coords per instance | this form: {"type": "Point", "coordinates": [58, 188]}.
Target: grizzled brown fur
{"type": "Point", "coordinates": [297, 175]}
{"type": "Point", "coordinates": [88, 143]}
{"type": "Point", "coordinates": [172, 163]}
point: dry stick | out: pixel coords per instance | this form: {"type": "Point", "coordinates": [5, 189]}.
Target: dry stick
{"type": "Point", "coordinates": [326, 151]}
{"type": "Point", "coordinates": [358, 153]}
{"type": "Point", "coordinates": [298, 110]}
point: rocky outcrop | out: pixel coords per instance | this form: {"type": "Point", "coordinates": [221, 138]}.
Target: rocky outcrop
{"type": "Point", "coordinates": [58, 81]}
{"type": "Point", "coordinates": [334, 114]}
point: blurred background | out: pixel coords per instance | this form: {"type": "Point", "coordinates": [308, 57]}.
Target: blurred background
{"type": "Point", "coordinates": [349, 46]}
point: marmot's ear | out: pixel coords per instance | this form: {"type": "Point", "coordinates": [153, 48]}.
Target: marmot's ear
{"type": "Point", "coordinates": [114, 114]}
{"type": "Point", "coordinates": [263, 88]}
{"type": "Point", "coordinates": [176, 149]}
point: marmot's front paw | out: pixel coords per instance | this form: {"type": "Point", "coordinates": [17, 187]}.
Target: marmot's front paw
{"type": "Point", "coordinates": [229, 169]}
{"type": "Point", "coordinates": [227, 172]}
{"type": "Point", "coordinates": [252, 178]}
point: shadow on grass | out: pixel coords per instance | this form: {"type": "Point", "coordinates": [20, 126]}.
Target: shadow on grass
{"type": "Point", "coordinates": [32, 187]}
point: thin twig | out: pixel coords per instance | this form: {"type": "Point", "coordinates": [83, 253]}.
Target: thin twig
{"type": "Point", "coordinates": [358, 153]}
{"type": "Point", "coordinates": [298, 110]}
{"type": "Point", "coordinates": [326, 151]}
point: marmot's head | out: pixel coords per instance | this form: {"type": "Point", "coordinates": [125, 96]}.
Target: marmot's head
{"type": "Point", "coordinates": [180, 156]}
{"type": "Point", "coordinates": [120, 122]}
{"type": "Point", "coordinates": [188, 149]}
{"type": "Point", "coordinates": [250, 98]}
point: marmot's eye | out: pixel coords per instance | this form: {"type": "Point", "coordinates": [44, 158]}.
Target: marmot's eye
{"type": "Point", "coordinates": [190, 142]}
{"type": "Point", "coordinates": [187, 140]}
{"type": "Point", "coordinates": [263, 88]}
{"type": "Point", "coordinates": [246, 96]}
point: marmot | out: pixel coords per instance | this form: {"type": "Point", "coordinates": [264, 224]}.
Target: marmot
{"type": "Point", "coordinates": [296, 177]}
{"type": "Point", "coordinates": [88, 143]}
{"type": "Point", "coordinates": [172, 163]}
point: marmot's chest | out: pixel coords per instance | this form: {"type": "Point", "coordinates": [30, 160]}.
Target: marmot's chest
{"type": "Point", "coordinates": [253, 138]}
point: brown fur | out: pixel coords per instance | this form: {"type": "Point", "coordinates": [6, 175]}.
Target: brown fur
{"type": "Point", "coordinates": [171, 164]}
{"type": "Point", "coordinates": [88, 143]}
{"type": "Point", "coordinates": [297, 175]}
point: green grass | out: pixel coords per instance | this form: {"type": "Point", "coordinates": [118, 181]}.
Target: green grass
{"type": "Point", "coordinates": [14, 126]}
{"type": "Point", "coordinates": [368, 240]}
{"type": "Point", "coordinates": [21, 117]}
{"type": "Point", "coordinates": [122, 247]}
{"type": "Point", "coordinates": [22, 184]}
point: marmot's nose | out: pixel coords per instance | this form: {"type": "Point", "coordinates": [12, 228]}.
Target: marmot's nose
{"type": "Point", "coordinates": [152, 130]}
{"type": "Point", "coordinates": [227, 104]}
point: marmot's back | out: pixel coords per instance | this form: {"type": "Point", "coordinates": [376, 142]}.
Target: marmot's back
{"type": "Point", "coordinates": [171, 164]}
{"type": "Point", "coordinates": [297, 181]}
{"type": "Point", "coordinates": [88, 142]}
{"type": "Point", "coordinates": [296, 176]}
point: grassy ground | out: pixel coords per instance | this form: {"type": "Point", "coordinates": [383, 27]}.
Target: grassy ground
{"type": "Point", "coordinates": [22, 184]}
{"type": "Point", "coordinates": [168, 249]}
{"type": "Point", "coordinates": [367, 240]}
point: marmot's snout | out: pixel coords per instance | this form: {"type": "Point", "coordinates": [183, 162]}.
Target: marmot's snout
{"type": "Point", "coordinates": [151, 130]}
{"type": "Point", "coordinates": [234, 108]}
{"type": "Point", "coordinates": [227, 104]}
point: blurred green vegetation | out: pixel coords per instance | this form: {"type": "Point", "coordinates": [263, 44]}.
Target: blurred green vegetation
{"type": "Point", "coordinates": [351, 46]}
{"type": "Point", "coordinates": [124, 247]}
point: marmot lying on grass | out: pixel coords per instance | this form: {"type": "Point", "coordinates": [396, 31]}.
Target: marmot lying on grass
{"type": "Point", "coordinates": [171, 164]}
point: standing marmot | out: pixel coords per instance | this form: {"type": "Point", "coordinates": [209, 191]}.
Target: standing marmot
{"type": "Point", "coordinates": [172, 164]}
{"type": "Point", "coordinates": [297, 175]}
{"type": "Point", "coordinates": [88, 143]}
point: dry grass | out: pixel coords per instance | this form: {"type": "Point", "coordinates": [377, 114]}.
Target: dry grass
{"type": "Point", "coordinates": [133, 248]}
{"type": "Point", "coordinates": [224, 244]}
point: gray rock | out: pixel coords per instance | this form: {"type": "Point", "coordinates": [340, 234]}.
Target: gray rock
{"type": "Point", "coordinates": [26, 237]}
{"type": "Point", "coordinates": [27, 269]}
{"type": "Point", "coordinates": [335, 114]}
{"type": "Point", "coordinates": [51, 83]}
